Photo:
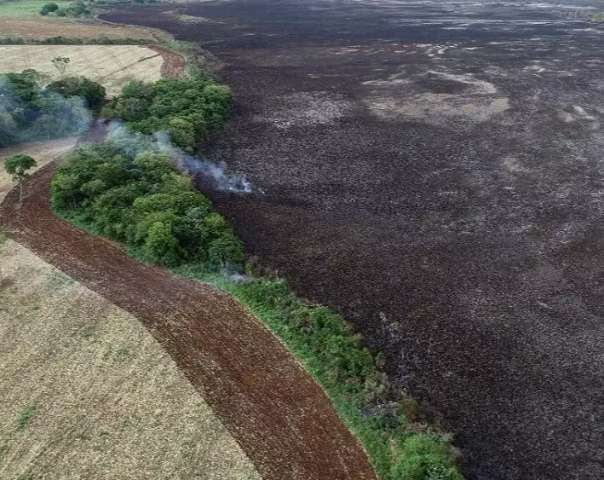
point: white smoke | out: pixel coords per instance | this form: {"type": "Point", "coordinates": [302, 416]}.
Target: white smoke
{"type": "Point", "coordinates": [213, 172]}
{"type": "Point", "coordinates": [54, 116]}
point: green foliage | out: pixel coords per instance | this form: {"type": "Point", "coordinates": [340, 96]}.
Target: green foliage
{"type": "Point", "coordinates": [25, 416]}
{"type": "Point", "coordinates": [420, 457]}
{"type": "Point", "coordinates": [18, 165]}
{"type": "Point", "coordinates": [328, 348]}
{"type": "Point", "coordinates": [48, 8]}
{"type": "Point", "coordinates": [75, 9]}
{"type": "Point", "coordinates": [29, 112]}
{"type": "Point", "coordinates": [92, 92]}
{"type": "Point", "coordinates": [143, 201]}
{"type": "Point", "coordinates": [188, 109]}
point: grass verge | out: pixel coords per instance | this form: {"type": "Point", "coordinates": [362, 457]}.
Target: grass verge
{"type": "Point", "coordinates": [398, 447]}
{"type": "Point", "coordinates": [25, 8]}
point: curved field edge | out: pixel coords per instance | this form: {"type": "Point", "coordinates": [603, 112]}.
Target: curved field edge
{"type": "Point", "coordinates": [331, 352]}
{"type": "Point", "coordinates": [280, 417]}
{"type": "Point", "coordinates": [83, 381]}
{"type": "Point", "coordinates": [399, 447]}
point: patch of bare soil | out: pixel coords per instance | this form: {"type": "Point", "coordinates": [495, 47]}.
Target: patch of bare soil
{"type": "Point", "coordinates": [281, 418]}
{"type": "Point", "coordinates": [88, 393]}
{"type": "Point", "coordinates": [174, 63]}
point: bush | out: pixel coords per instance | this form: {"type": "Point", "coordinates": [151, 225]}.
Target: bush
{"type": "Point", "coordinates": [424, 457]}
{"type": "Point", "coordinates": [75, 9]}
{"type": "Point", "coordinates": [29, 112]}
{"type": "Point", "coordinates": [398, 448]}
{"type": "Point", "coordinates": [143, 201]}
{"type": "Point", "coordinates": [188, 109]}
{"type": "Point", "coordinates": [92, 92]}
{"type": "Point", "coordinates": [48, 8]}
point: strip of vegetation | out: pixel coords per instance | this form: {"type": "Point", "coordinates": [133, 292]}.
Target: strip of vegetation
{"type": "Point", "coordinates": [138, 198]}
{"type": "Point", "coordinates": [399, 448]}
{"type": "Point", "coordinates": [188, 109]}
{"type": "Point", "coordinates": [142, 201]}
{"type": "Point", "coordinates": [76, 9]}
{"type": "Point", "coordinates": [30, 111]}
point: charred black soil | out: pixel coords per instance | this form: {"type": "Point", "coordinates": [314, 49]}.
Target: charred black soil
{"type": "Point", "coordinates": [434, 170]}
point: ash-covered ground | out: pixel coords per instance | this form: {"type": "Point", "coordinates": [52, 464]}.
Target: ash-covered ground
{"type": "Point", "coordinates": [435, 171]}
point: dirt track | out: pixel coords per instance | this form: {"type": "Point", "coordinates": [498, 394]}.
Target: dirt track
{"type": "Point", "coordinates": [277, 413]}
{"type": "Point", "coordinates": [433, 169]}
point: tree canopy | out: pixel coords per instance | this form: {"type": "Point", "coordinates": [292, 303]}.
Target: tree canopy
{"type": "Point", "coordinates": [143, 201]}
{"type": "Point", "coordinates": [189, 110]}
{"type": "Point", "coordinates": [28, 111]}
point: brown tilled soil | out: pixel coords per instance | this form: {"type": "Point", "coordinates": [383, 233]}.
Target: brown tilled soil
{"type": "Point", "coordinates": [105, 400]}
{"type": "Point", "coordinates": [174, 63]}
{"type": "Point", "coordinates": [277, 413]}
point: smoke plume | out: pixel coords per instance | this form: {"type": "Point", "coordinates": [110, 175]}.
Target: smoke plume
{"type": "Point", "coordinates": [215, 173]}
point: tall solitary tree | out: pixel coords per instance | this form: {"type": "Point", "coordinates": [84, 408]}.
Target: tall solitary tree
{"type": "Point", "coordinates": [60, 63]}
{"type": "Point", "coordinates": [17, 166]}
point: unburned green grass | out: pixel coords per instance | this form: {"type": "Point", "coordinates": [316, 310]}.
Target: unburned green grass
{"type": "Point", "coordinates": [398, 447]}
{"type": "Point", "coordinates": [25, 416]}
{"type": "Point", "coordinates": [24, 8]}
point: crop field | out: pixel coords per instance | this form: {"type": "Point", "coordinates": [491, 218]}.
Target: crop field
{"type": "Point", "coordinates": [111, 65]}
{"type": "Point", "coordinates": [88, 393]}
{"type": "Point", "coordinates": [24, 8]}
{"type": "Point", "coordinates": [21, 19]}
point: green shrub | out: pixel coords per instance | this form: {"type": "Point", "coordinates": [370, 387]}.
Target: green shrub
{"type": "Point", "coordinates": [188, 109]}
{"type": "Point", "coordinates": [29, 112]}
{"type": "Point", "coordinates": [92, 92]}
{"type": "Point", "coordinates": [398, 448]}
{"type": "Point", "coordinates": [143, 201]}
{"type": "Point", "coordinates": [75, 9]}
{"type": "Point", "coordinates": [48, 8]}
{"type": "Point", "coordinates": [161, 246]}
{"type": "Point", "coordinates": [424, 457]}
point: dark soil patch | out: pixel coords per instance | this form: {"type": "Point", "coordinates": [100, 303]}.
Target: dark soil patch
{"type": "Point", "coordinates": [434, 171]}
{"type": "Point", "coordinates": [278, 414]}
{"type": "Point", "coordinates": [174, 63]}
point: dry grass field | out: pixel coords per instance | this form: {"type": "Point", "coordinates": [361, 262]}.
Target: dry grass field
{"type": "Point", "coordinates": [21, 19]}
{"type": "Point", "coordinates": [41, 28]}
{"type": "Point", "coordinates": [43, 152]}
{"type": "Point", "coordinates": [87, 393]}
{"type": "Point", "coordinates": [111, 65]}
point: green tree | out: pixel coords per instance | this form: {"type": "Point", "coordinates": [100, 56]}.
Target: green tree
{"type": "Point", "coordinates": [17, 166]}
{"type": "Point", "coordinates": [60, 63]}
{"type": "Point", "coordinates": [48, 8]}
{"type": "Point", "coordinates": [93, 93]}
{"type": "Point", "coordinates": [161, 246]}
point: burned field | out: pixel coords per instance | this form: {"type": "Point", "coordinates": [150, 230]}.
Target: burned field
{"type": "Point", "coordinates": [434, 171]}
